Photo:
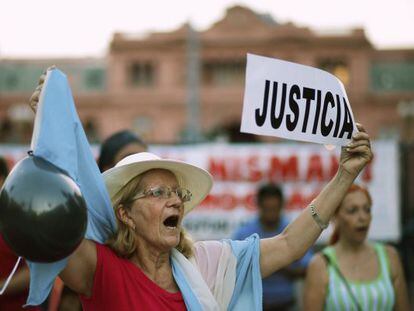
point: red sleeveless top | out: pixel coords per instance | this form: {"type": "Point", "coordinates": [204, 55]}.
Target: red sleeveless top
{"type": "Point", "coordinates": [121, 285]}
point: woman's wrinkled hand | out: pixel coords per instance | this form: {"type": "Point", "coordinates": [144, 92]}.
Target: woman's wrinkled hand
{"type": "Point", "coordinates": [357, 154]}
{"type": "Point", "coordinates": [34, 99]}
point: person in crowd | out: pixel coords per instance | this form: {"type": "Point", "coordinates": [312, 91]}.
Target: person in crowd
{"type": "Point", "coordinates": [14, 297]}
{"type": "Point", "coordinates": [149, 262]}
{"type": "Point", "coordinates": [279, 288]}
{"type": "Point", "coordinates": [353, 273]}
{"type": "Point", "coordinates": [118, 146]}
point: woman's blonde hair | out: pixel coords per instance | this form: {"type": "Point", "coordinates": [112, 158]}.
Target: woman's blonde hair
{"type": "Point", "coordinates": [123, 242]}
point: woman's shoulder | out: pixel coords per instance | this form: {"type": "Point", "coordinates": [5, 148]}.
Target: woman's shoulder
{"type": "Point", "coordinates": [102, 247]}
{"type": "Point", "coordinates": [104, 253]}
{"type": "Point", "coordinates": [326, 254]}
{"type": "Point", "coordinates": [204, 249]}
{"type": "Point", "coordinates": [318, 261]}
{"type": "Point", "coordinates": [214, 250]}
{"type": "Point", "coordinates": [393, 258]}
{"type": "Point", "coordinates": [317, 269]}
{"type": "Point", "coordinates": [389, 251]}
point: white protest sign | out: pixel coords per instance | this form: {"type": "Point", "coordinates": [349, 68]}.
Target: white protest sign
{"type": "Point", "coordinates": [296, 102]}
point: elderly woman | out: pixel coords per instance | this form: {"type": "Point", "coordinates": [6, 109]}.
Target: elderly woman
{"type": "Point", "coordinates": [352, 273]}
{"type": "Point", "coordinates": [146, 261]}
{"type": "Point", "coordinates": [150, 197]}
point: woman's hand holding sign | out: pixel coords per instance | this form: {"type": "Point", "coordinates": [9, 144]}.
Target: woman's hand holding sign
{"type": "Point", "coordinates": [357, 153]}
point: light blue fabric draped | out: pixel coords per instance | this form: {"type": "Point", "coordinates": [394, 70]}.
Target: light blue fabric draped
{"type": "Point", "coordinates": [59, 138]}
{"type": "Point", "coordinates": [247, 293]}
{"type": "Point", "coordinates": [190, 299]}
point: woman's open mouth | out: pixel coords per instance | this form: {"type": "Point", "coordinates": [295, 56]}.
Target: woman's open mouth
{"type": "Point", "coordinates": [171, 222]}
{"type": "Point", "coordinates": [362, 229]}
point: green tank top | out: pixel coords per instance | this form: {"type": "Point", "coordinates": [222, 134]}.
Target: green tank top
{"type": "Point", "coordinates": [377, 294]}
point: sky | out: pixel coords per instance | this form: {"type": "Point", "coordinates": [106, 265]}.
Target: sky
{"type": "Point", "coordinates": [84, 28]}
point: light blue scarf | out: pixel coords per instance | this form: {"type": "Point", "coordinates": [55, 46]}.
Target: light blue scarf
{"type": "Point", "coordinates": [59, 138]}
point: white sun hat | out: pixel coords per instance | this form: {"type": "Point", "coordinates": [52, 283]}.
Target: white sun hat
{"type": "Point", "coordinates": [190, 177]}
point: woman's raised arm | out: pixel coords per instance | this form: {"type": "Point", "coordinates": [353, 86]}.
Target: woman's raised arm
{"type": "Point", "coordinates": [301, 234]}
{"type": "Point", "coordinates": [79, 273]}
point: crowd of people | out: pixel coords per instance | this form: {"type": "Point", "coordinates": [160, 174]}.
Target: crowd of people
{"type": "Point", "coordinates": [151, 263]}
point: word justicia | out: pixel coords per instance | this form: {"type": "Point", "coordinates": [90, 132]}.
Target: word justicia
{"type": "Point", "coordinates": [320, 103]}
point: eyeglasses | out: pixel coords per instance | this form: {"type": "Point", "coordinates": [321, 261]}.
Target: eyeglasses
{"type": "Point", "coordinates": [164, 192]}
